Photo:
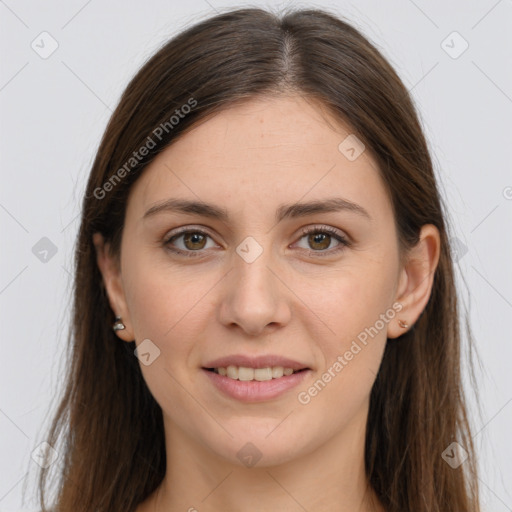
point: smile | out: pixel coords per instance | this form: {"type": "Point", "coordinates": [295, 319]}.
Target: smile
{"type": "Point", "coordinates": [252, 390]}
{"type": "Point", "coordinates": [245, 373]}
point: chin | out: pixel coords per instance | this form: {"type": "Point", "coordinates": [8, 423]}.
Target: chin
{"type": "Point", "coordinates": [261, 444]}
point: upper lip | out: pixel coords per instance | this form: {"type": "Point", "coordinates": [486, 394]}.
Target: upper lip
{"type": "Point", "coordinates": [255, 362]}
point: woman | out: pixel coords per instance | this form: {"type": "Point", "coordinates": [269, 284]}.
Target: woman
{"type": "Point", "coordinates": [265, 315]}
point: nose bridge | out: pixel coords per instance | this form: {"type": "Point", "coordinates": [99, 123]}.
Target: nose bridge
{"type": "Point", "coordinates": [253, 297]}
{"type": "Point", "coordinates": [254, 278]}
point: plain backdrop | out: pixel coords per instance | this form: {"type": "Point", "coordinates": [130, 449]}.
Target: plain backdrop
{"type": "Point", "coordinates": [54, 109]}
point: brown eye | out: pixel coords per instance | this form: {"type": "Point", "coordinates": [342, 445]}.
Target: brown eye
{"type": "Point", "coordinates": [194, 240]}
{"type": "Point", "coordinates": [189, 242]}
{"type": "Point", "coordinates": [319, 241]}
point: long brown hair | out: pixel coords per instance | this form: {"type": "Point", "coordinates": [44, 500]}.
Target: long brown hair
{"type": "Point", "coordinates": [108, 427]}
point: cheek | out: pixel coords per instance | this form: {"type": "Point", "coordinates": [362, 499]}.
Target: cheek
{"type": "Point", "coordinates": [354, 305]}
{"type": "Point", "coordinates": [163, 300]}
{"type": "Point", "coordinates": [356, 311]}
{"type": "Point", "coordinates": [347, 301]}
{"type": "Point", "coordinates": [151, 305]}
{"type": "Point", "coordinates": [166, 308]}
{"type": "Point", "coordinates": [171, 308]}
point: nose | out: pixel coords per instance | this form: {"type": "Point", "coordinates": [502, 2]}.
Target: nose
{"type": "Point", "coordinates": [254, 298]}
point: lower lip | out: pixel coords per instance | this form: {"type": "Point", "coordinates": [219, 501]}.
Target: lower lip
{"type": "Point", "coordinates": [254, 390]}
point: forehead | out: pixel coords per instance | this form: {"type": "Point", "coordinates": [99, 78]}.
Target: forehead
{"type": "Point", "coordinates": [263, 151]}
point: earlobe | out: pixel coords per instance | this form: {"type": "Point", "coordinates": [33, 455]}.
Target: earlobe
{"type": "Point", "coordinates": [416, 280]}
{"type": "Point", "coordinates": [112, 282]}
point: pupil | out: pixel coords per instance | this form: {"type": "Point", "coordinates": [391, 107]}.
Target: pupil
{"type": "Point", "coordinates": [194, 238]}
{"type": "Point", "coordinates": [320, 238]}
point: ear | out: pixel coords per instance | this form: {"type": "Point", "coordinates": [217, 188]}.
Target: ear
{"type": "Point", "coordinates": [416, 280]}
{"type": "Point", "coordinates": [111, 273]}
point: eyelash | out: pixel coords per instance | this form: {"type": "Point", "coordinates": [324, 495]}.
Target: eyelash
{"type": "Point", "coordinates": [343, 241]}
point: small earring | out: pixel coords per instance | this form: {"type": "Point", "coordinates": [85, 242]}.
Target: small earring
{"type": "Point", "coordinates": [118, 324]}
{"type": "Point", "coordinates": [402, 324]}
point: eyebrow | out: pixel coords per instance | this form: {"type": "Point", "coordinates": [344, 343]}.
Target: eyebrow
{"type": "Point", "coordinates": [284, 211]}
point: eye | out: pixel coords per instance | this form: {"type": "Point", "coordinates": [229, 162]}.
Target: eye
{"type": "Point", "coordinates": [191, 243]}
{"type": "Point", "coordinates": [320, 238]}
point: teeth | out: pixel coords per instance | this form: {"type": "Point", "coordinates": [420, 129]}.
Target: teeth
{"type": "Point", "coordinates": [277, 372]}
{"type": "Point", "coordinates": [232, 372]}
{"type": "Point", "coordinates": [245, 373]}
{"type": "Point", "coordinates": [260, 374]}
{"type": "Point", "coordinates": [263, 374]}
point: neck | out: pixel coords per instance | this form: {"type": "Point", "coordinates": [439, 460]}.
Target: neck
{"type": "Point", "coordinates": [328, 478]}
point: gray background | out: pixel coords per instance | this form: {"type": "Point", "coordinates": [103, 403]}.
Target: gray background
{"type": "Point", "coordinates": [54, 110]}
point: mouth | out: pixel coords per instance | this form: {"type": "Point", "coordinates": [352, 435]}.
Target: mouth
{"type": "Point", "coordinates": [247, 374]}
{"type": "Point", "coordinates": [253, 385]}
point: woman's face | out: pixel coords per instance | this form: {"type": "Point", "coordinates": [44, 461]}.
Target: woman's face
{"type": "Point", "coordinates": [244, 286]}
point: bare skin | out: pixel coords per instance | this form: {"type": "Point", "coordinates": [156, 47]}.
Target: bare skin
{"type": "Point", "coordinates": [290, 301]}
